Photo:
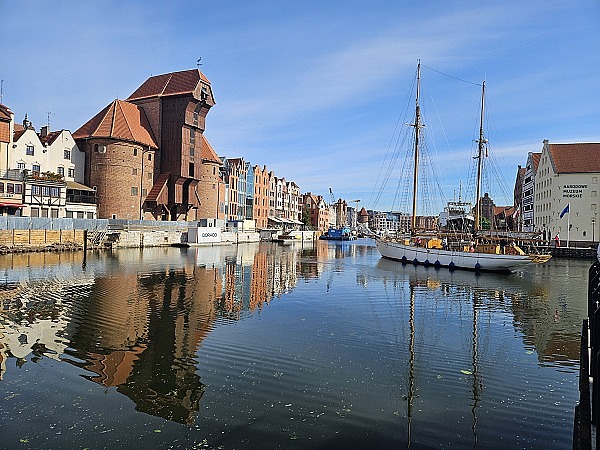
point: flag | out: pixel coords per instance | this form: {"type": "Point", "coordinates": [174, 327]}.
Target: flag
{"type": "Point", "coordinates": [565, 211]}
{"type": "Point", "coordinates": [517, 211]}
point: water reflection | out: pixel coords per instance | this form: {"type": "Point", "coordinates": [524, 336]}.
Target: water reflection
{"type": "Point", "coordinates": [136, 320]}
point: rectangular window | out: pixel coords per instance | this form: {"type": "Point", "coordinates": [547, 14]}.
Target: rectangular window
{"type": "Point", "coordinates": [72, 173]}
{"type": "Point", "coordinates": [20, 166]}
{"type": "Point", "coordinates": [30, 150]}
{"type": "Point", "coordinates": [135, 152]}
{"type": "Point", "coordinates": [61, 171]}
{"type": "Point", "coordinates": [44, 212]}
{"type": "Point", "coordinates": [1, 188]}
{"type": "Point", "coordinates": [134, 191]}
{"type": "Point", "coordinates": [55, 192]}
{"type": "Point", "coordinates": [134, 171]}
{"type": "Point", "coordinates": [69, 214]}
{"type": "Point", "coordinates": [191, 151]}
{"type": "Point", "coordinates": [35, 212]}
{"type": "Point", "coordinates": [10, 188]}
{"type": "Point", "coordinates": [144, 193]}
{"type": "Point", "coordinates": [54, 213]}
{"type": "Point", "coordinates": [80, 214]}
{"type": "Point", "coordinates": [67, 154]}
{"type": "Point", "coordinates": [90, 215]}
{"type": "Point", "coordinates": [46, 191]}
{"type": "Point", "coordinates": [18, 188]}
{"type": "Point", "coordinates": [36, 190]}
{"type": "Point", "coordinates": [150, 174]}
{"type": "Point", "coordinates": [191, 170]}
{"type": "Point", "coordinates": [35, 168]}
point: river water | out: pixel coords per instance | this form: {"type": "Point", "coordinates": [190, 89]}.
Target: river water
{"type": "Point", "coordinates": [270, 346]}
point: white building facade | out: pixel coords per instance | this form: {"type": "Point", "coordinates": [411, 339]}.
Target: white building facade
{"type": "Point", "coordinates": [566, 193]}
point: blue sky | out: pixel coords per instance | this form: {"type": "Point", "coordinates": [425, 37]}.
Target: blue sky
{"type": "Point", "coordinates": [314, 89]}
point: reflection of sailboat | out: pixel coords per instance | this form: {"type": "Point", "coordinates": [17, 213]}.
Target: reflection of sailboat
{"type": "Point", "coordinates": [451, 250]}
{"type": "Point", "coordinates": [411, 366]}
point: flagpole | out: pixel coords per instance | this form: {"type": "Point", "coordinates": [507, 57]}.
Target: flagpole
{"type": "Point", "coordinates": [568, 226]}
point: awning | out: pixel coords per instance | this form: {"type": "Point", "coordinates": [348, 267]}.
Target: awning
{"type": "Point", "coordinates": [12, 205]}
{"type": "Point", "coordinates": [275, 219]}
{"type": "Point", "coordinates": [78, 186]}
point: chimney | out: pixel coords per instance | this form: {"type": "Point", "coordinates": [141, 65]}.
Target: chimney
{"type": "Point", "coordinates": [44, 131]}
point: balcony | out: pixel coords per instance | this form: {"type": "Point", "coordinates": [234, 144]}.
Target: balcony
{"type": "Point", "coordinates": [12, 174]}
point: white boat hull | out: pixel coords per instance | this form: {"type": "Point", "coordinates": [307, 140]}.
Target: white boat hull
{"type": "Point", "coordinates": [483, 262]}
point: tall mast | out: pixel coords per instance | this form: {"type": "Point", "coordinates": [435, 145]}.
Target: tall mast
{"type": "Point", "coordinates": [480, 144]}
{"type": "Point", "coordinates": [417, 125]}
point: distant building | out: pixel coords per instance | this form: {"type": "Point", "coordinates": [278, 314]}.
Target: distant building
{"type": "Point", "coordinates": [316, 210]}
{"type": "Point", "coordinates": [260, 209]}
{"type": "Point", "coordinates": [518, 196]}
{"type": "Point", "coordinates": [527, 210]}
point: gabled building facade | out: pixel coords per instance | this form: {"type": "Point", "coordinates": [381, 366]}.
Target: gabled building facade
{"type": "Point", "coordinates": [260, 209]}
{"type": "Point", "coordinates": [314, 206]}
{"type": "Point", "coordinates": [567, 184]}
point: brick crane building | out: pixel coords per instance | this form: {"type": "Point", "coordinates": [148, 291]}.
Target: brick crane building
{"type": "Point", "coordinates": [148, 157]}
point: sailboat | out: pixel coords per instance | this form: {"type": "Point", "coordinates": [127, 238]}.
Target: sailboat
{"type": "Point", "coordinates": [468, 251]}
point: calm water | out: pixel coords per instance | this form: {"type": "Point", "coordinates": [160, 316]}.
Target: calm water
{"type": "Point", "coordinates": [266, 346]}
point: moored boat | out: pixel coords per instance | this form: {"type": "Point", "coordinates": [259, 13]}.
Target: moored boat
{"type": "Point", "coordinates": [338, 234]}
{"type": "Point", "coordinates": [465, 248]}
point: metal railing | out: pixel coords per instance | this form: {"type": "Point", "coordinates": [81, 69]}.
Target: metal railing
{"type": "Point", "coordinates": [587, 411]}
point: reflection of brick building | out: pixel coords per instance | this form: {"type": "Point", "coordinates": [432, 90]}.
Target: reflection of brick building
{"type": "Point", "coordinates": [147, 349]}
{"type": "Point", "coordinates": [147, 156]}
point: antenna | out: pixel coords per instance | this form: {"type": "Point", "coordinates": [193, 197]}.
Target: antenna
{"type": "Point", "coordinates": [198, 63]}
{"type": "Point", "coordinates": [49, 114]}
{"type": "Point", "coordinates": [1, 90]}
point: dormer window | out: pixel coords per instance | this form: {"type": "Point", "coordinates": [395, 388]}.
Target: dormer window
{"type": "Point", "coordinates": [29, 150]}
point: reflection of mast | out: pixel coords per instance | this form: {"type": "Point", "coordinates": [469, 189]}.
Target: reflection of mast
{"type": "Point", "coordinates": [411, 364]}
{"type": "Point", "coordinates": [477, 386]}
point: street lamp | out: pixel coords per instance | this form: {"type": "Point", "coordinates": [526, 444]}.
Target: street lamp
{"type": "Point", "coordinates": [593, 231]}
{"type": "Point", "coordinates": [142, 182]}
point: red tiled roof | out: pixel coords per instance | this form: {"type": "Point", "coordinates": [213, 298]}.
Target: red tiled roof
{"type": "Point", "coordinates": [5, 112]}
{"type": "Point", "coordinates": [207, 153]}
{"type": "Point", "coordinates": [507, 210]}
{"type": "Point", "coordinates": [175, 83]}
{"type": "Point", "coordinates": [18, 133]}
{"type": "Point", "coordinates": [535, 159]}
{"type": "Point", "coordinates": [575, 158]}
{"type": "Point", "coordinates": [50, 137]}
{"type": "Point", "coordinates": [119, 120]}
